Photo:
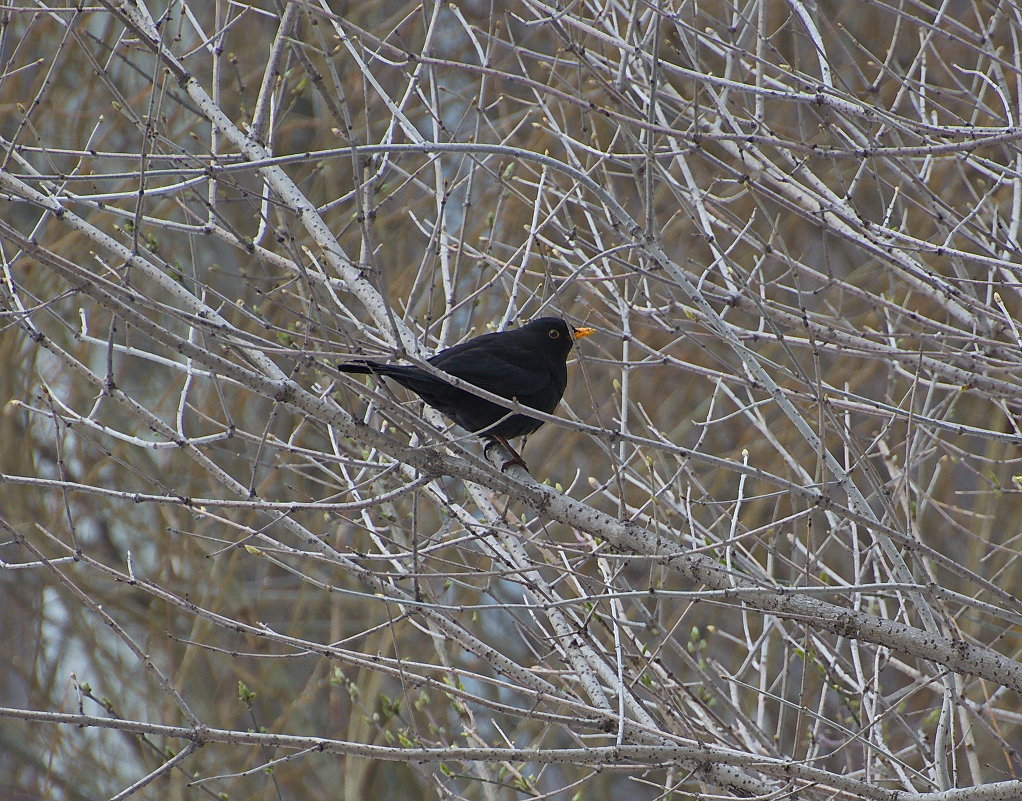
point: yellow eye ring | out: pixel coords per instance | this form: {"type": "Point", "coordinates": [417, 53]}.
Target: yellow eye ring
{"type": "Point", "coordinates": [553, 333]}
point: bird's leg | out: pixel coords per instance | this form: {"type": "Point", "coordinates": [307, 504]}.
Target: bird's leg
{"type": "Point", "coordinates": [516, 457]}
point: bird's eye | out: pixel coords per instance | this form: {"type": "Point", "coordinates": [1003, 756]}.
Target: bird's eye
{"type": "Point", "coordinates": [553, 333]}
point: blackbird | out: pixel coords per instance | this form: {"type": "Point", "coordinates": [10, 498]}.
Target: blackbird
{"type": "Point", "coordinates": [527, 364]}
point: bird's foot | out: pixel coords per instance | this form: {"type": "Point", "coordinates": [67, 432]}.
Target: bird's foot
{"type": "Point", "coordinates": [515, 459]}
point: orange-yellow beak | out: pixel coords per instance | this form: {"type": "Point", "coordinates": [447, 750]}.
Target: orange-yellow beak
{"type": "Point", "coordinates": [578, 333]}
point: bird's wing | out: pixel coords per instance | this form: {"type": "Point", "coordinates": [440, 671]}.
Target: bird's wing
{"type": "Point", "coordinates": [508, 373]}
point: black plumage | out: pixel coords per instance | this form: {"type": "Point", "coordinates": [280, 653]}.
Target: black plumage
{"type": "Point", "coordinates": [527, 364]}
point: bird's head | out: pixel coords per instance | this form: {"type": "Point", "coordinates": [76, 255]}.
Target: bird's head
{"type": "Point", "coordinates": [553, 333]}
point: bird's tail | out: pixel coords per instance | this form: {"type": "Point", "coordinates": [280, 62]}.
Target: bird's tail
{"type": "Point", "coordinates": [363, 367]}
